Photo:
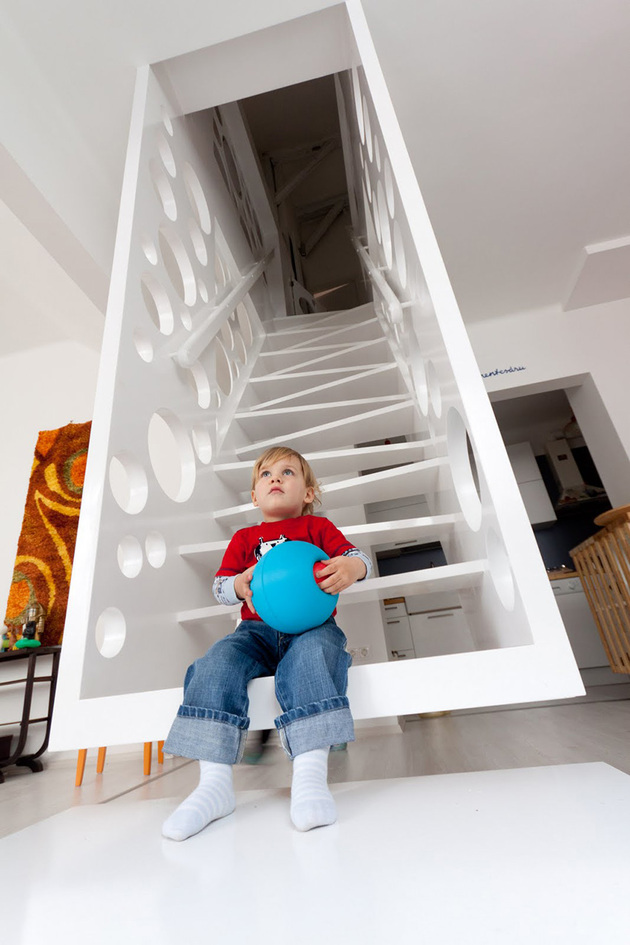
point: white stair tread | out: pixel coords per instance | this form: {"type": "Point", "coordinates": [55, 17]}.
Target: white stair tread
{"type": "Point", "coordinates": [411, 479]}
{"type": "Point", "coordinates": [305, 337]}
{"type": "Point", "coordinates": [333, 462]}
{"type": "Point", "coordinates": [381, 380]}
{"type": "Point", "coordinates": [348, 404]}
{"type": "Point", "coordinates": [428, 528]}
{"type": "Point", "coordinates": [448, 577]}
{"type": "Point", "coordinates": [341, 316]}
{"type": "Point", "coordinates": [284, 419]}
{"type": "Point", "coordinates": [292, 382]}
{"type": "Point", "coordinates": [273, 362]}
{"type": "Point", "coordinates": [393, 420]}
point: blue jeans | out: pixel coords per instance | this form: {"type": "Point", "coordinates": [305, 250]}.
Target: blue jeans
{"type": "Point", "coordinates": [311, 677]}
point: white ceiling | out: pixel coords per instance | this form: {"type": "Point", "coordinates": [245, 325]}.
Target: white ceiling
{"type": "Point", "coordinates": [515, 115]}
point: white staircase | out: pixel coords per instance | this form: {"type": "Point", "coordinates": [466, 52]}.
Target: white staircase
{"type": "Point", "coordinates": [200, 372]}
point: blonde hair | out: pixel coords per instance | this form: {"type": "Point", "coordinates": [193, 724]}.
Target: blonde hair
{"type": "Point", "coordinates": [275, 453]}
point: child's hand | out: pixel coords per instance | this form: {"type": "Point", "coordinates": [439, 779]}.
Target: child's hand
{"type": "Point", "coordinates": [340, 573]}
{"type": "Point", "coordinates": [243, 589]}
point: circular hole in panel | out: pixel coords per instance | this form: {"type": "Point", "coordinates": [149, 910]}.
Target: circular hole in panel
{"type": "Point", "coordinates": [178, 265]}
{"type": "Point", "coordinates": [377, 153]}
{"type": "Point", "coordinates": [435, 394]}
{"type": "Point", "coordinates": [232, 169]}
{"type": "Point", "coordinates": [128, 482]}
{"type": "Point", "coordinates": [166, 121]}
{"type": "Point", "coordinates": [143, 345]}
{"type": "Point", "coordinates": [459, 451]}
{"type": "Point", "coordinates": [227, 336]}
{"type": "Point", "coordinates": [157, 303]}
{"type": "Point", "coordinates": [130, 556]}
{"type": "Point", "coordinates": [244, 324]}
{"type": "Point", "coordinates": [186, 318]}
{"type": "Point", "coordinates": [163, 189]}
{"type": "Point", "coordinates": [399, 254]}
{"type": "Point", "coordinates": [110, 632]}
{"type": "Point", "coordinates": [201, 384]}
{"type": "Point", "coordinates": [386, 235]}
{"type": "Point", "coordinates": [172, 456]}
{"type": "Point", "coordinates": [197, 198]}
{"type": "Point", "coordinates": [220, 272]}
{"type": "Point", "coordinates": [155, 548]}
{"type": "Point", "coordinates": [203, 292]}
{"type": "Point", "coordinates": [148, 248]}
{"type": "Point", "coordinates": [358, 105]}
{"type": "Point", "coordinates": [500, 569]}
{"type": "Point", "coordinates": [389, 186]}
{"type": "Point", "coordinates": [202, 441]}
{"type": "Point", "coordinates": [198, 242]}
{"type": "Point", "coordinates": [368, 129]}
{"type": "Point", "coordinates": [166, 154]}
{"type": "Point", "coordinates": [376, 217]}
{"type": "Point", "coordinates": [223, 369]}
{"type": "Point", "coordinates": [240, 347]}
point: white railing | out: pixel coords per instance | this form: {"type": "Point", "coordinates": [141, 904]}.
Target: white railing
{"type": "Point", "coordinates": [188, 352]}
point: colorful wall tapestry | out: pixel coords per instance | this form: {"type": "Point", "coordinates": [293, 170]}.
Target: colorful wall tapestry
{"type": "Point", "coordinates": [51, 516]}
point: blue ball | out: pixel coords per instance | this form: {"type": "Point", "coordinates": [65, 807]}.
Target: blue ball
{"type": "Point", "coordinates": [286, 594]}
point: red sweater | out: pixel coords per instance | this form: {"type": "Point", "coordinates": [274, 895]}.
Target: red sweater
{"type": "Point", "coordinates": [249, 544]}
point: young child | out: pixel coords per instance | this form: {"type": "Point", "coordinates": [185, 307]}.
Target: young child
{"type": "Point", "coordinates": [310, 668]}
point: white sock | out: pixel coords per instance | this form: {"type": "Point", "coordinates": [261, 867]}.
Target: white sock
{"type": "Point", "coordinates": [211, 799]}
{"type": "Point", "coordinates": [312, 804]}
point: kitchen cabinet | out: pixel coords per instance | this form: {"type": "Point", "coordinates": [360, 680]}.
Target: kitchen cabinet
{"type": "Point", "coordinates": [395, 510]}
{"type": "Point", "coordinates": [397, 630]}
{"type": "Point", "coordinates": [441, 632]}
{"type": "Point", "coordinates": [579, 623]}
{"type": "Point", "coordinates": [535, 497]}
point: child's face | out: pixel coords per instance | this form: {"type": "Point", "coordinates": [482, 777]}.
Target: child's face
{"type": "Point", "coordinates": [281, 491]}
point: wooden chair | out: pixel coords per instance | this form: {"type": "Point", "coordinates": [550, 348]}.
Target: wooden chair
{"type": "Point", "coordinates": [100, 760]}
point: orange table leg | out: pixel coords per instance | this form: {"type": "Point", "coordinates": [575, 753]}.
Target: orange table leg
{"type": "Point", "coordinates": [100, 760]}
{"type": "Point", "coordinates": [160, 752]}
{"type": "Point", "coordinates": [148, 746]}
{"type": "Point", "coordinates": [78, 781]}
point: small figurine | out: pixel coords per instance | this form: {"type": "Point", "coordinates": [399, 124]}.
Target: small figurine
{"type": "Point", "coordinates": [33, 627]}
{"type": "Point", "coordinates": [9, 638]}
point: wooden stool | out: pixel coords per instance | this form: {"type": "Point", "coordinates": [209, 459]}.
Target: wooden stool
{"type": "Point", "coordinates": [100, 760]}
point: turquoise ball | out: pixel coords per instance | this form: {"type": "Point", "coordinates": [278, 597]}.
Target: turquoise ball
{"type": "Point", "coordinates": [285, 593]}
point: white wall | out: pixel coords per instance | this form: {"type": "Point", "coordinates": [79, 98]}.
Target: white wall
{"type": "Point", "coordinates": [585, 352]}
{"type": "Point", "coordinates": [40, 389]}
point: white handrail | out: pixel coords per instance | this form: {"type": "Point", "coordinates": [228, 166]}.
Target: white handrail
{"type": "Point", "coordinates": [393, 304]}
{"type": "Point", "coordinates": [189, 351]}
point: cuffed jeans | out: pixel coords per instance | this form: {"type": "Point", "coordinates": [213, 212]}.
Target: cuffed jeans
{"type": "Point", "coordinates": [311, 680]}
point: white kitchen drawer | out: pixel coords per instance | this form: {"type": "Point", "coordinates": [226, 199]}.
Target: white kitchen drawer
{"type": "Point", "coordinates": [440, 633]}
{"type": "Point", "coordinates": [422, 603]}
{"type": "Point", "coordinates": [394, 610]}
{"type": "Point", "coordinates": [402, 655]}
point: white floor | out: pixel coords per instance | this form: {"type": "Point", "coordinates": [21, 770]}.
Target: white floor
{"type": "Point", "coordinates": [531, 855]}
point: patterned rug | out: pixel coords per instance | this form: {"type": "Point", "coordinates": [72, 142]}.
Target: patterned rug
{"type": "Point", "coordinates": [51, 515]}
